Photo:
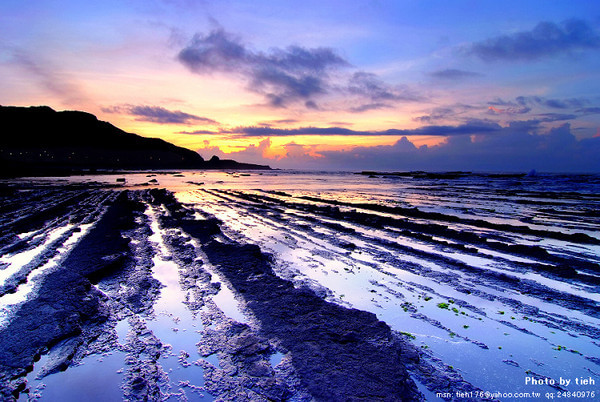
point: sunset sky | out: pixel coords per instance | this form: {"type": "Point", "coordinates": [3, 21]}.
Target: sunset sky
{"type": "Point", "coordinates": [382, 85]}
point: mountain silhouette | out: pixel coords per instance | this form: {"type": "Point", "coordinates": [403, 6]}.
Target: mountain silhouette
{"type": "Point", "coordinates": [40, 141]}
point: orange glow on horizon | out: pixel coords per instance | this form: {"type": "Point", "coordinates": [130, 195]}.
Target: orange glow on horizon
{"type": "Point", "coordinates": [274, 150]}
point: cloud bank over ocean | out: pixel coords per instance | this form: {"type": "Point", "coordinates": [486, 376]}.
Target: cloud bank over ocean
{"type": "Point", "coordinates": [558, 150]}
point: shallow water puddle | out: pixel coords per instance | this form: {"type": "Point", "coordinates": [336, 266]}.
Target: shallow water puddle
{"type": "Point", "coordinates": [175, 325]}
{"type": "Point", "coordinates": [451, 303]}
{"type": "Point", "coordinates": [101, 376]}
{"type": "Point", "coordinates": [276, 358]}
{"type": "Point", "coordinates": [82, 379]}
{"type": "Point", "coordinates": [225, 300]}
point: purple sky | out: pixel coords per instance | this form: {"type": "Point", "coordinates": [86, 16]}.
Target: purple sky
{"type": "Point", "coordinates": [403, 85]}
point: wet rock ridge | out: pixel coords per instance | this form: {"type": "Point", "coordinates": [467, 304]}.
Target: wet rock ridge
{"type": "Point", "coordinates": [338, 353]}
{"type": "Point", "coordinates": [329, 352]}
{"type": "Point", "coordinates": [68, 309]}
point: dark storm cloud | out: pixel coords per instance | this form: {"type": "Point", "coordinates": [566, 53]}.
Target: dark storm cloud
{"type": "Point", "coordinates": [453, 74]}
{"type": "Point", "coordinates": [282, 75]}
{"type": "Point", "coordinates": [544, 40]}
{"type": "Point", "coordinates": [160, 115]}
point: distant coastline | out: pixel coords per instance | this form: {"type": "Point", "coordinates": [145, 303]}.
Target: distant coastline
{"type": "Point", "coordinates": [40, 141]}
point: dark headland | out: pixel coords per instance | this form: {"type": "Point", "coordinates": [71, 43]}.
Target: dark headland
{"type": "Point", "coordinates": [39, 141]}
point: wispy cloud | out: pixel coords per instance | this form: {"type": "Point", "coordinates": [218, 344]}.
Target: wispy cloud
{"type": "Point", "coordinates": [276, 122]}
{"type": "Point", "coordinates": [544, 40]}
{"type": "Point", "coordinates": [471, 127]}
{"type": "Point", "coordinates": [199, 132]}
{"type": "Point", "coordinates": [282, 75]}
{"type": "Point", "coordinates": [509, 109]}
{"type": "Point", "coordinates": [449, 112]}
{"type": "Point", "coordinates": [544, 109]}
{"type": "Point", "coordinates": [453, 74]}
{"type": "Point", "coordinates": [589, 110]}
{"type": "Point", "coordinates": [291, 75]}
{"type": "Point", "coordinates": [57, 83]}
{"type": "Point", "coordinates": [553, 103]}
{"type": "Point", "coordinates": [370, 86]}
{"type": "Point", "coordinates": [550, 117]}
{"type": "Point", "coordinates": [369, 106]}
{"type": "Point", "coordinates": [158, 114]}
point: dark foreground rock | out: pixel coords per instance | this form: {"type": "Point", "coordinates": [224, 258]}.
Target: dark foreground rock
{"type": "Point", "coordinates": [67, 304]}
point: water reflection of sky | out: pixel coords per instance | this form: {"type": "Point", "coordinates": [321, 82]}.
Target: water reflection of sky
{"type": "Point", "coordinates": [362, 279]}
{"type": "Point", "coordinates": [374, 279]}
